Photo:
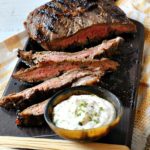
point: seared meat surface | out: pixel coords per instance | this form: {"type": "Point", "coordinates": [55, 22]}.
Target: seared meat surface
{"type": "Point", "coordinates": [32, 116]}
{"type": "Point", "coordinates": [47, 70]}
{"type": "Point", "coordinates": [60, 24]}
{"type": "Point", "coordinates": [88, 54]}
{"type": "Point", "coordinates": [87, 80]}
{"type": "Point", "coordinates": [28, 96]}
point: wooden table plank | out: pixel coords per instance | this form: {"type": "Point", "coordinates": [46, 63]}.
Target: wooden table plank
{"type": "Point", "coordinates": [48, 144]}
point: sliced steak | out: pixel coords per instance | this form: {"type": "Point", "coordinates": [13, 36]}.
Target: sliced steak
{"type": "Point", "coordinates": [26, 97]}
{"type": "Point", "coordinates": [89, 54]}
{"type": "Point", "coordinates": [32, 116]}
{"type": "Point", "coordinates": [44, 71]}
{"type": "Point", "coordinates": [61, 24]}
{"type": "Point", "coordinates": [42, 91]}
{"type": "Point", "coordinates": [87, 80]}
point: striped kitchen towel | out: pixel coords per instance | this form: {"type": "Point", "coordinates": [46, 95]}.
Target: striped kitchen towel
{"type": "Point", "coordinates": [8, 57]}
{"type": "Point", "coordinates": [140, 10]}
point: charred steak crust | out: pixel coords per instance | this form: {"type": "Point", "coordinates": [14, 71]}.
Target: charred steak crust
{"type": "Point", "coordinates": [106, 46]}
{"type": "Point", "coordinates": [87, 80]}
{"type": "Point", "coordinates": [28, 96]}
{"type": "Point", "coordinates": [61, 23]}
{"type": "Point", "coordinates": [47, 70]}
{"type": "Point", "coordinates": [32, 116]}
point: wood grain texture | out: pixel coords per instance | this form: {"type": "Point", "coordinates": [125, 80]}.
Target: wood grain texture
{"type": "Point", "coordinates": [6, 148]}
{"type": "Point", "coordinates": [48, 144]}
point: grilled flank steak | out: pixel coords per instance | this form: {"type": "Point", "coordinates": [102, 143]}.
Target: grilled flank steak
{"type": "Point", "coordinates": [35, 94]}
{"type": "Point", "coordinates": [32, 116]}
{"type": "Point", "coordinates": [48, 70]}
{"type": "Point", "coordinates": [60, 24]}
{"type": "Point", "coordinates": [108, 46]}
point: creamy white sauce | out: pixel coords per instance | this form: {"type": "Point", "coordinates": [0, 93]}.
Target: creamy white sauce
{"type": "Point", "coordinates": [83, 112]}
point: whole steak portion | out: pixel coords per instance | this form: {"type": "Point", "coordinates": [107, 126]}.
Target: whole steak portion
{"type": "Point", "coordinates": [61, 24]}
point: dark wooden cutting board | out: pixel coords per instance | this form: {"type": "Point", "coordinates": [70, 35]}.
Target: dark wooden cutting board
{"type": "Point", "coordinates": [123, 83]}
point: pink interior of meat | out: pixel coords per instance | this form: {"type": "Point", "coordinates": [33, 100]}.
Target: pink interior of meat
{"type": "Point", "coordinates": [123, 28]}
{"type": "Point", "coordinates": [94, 32]}
{"type": "Point", "coordinates": [45, 72]}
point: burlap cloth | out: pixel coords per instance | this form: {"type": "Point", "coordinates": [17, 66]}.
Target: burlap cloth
{"type": "Point", "coordinates": [135, 9]}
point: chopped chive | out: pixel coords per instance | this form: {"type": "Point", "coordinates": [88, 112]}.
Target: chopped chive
{"type": "Point", "coordinates": [96, 121]}
{"type": "Point", "coordinates": [95, 114]}
{"type": "Point", "coordinates": [101, 109]}
{"type": "Point", "coordinates": [89, 118]}
{"type": "Point", "coordinates": [78, 114]}
{"type": "Point", "coordinates": [83, 104]}
{"type": "Point", "coordinates": [80, 123]}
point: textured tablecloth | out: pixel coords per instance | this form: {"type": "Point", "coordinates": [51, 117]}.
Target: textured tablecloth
{"type": "Point", "coordinates": [135, 9]}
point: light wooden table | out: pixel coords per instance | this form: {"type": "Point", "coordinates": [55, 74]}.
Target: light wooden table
{"type": "Point", "coordinates": [51, 144]}
{"type": "Point", "coordinates": [13, 13]}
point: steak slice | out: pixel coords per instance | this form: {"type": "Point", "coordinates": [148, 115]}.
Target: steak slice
{"type": "Point", "coordinates": [42, 91]}
{"type": "Point", "coordinates": [28, 96]}
{"type": "Point", "coordinates": [32, 116]}
{"type": "Point", "coordinates": [61, 24]}
{"type": "Point", "coordinates": [47, 70]}
{"type": "Point", "coordinates": [87, 80]}
{"type": "Point", "coordinates": [89, 54]}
